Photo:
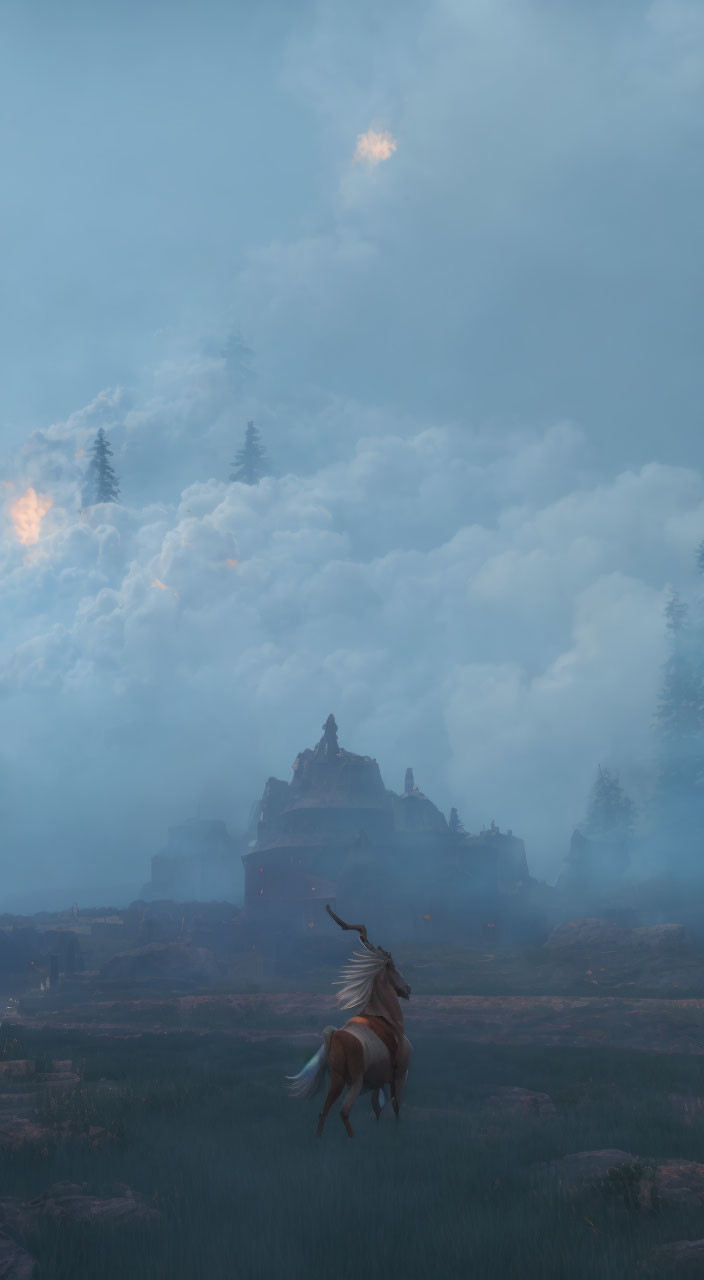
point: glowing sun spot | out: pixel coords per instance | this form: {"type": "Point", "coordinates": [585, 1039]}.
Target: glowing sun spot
{"type": "Point", "coordinates": [27, 514]}
{"type": "Point", "coordinates": [374, 146]}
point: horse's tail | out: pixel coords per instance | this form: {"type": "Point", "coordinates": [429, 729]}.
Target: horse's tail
{"type": "Point", "coordinates": [309, 1079]}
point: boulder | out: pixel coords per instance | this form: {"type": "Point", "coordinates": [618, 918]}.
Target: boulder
{"type": "Point", "coordinates": [680, 1181]}
{"type": "Point", "coordinates": [15, 1263]}
{"type": "Point", "coordinates": [681, 1258]}
{"type": "Point", "coordinates": [70, 1202]}
{"type": "Point", "coordinates": [170, 960]}
{"type": "Point", "coordinates": [584, 1169]}
{"type": "Point", "coordinates": [675, 1181]}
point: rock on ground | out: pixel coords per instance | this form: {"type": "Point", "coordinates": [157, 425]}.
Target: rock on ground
{"type": "Point", "coordinates": [582, 1169]}
{"type": "Point", "coordinates": [676, 1181]}
{"type": "Point", "coordinates": [680, 1181]}
{"type": "Point", "coordinates": [70, 1202]}
{"type": "Point", "coordinates": [15, 1263]}
{"type": "Point", "coordinates": [682, 1258]}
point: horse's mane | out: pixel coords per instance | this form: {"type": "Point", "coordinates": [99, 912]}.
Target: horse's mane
{"type": "Point", "coordinates": [357, 979]}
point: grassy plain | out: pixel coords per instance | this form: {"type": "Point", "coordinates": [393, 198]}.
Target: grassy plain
{"type": "Point", "coordinates": [203, 1128]}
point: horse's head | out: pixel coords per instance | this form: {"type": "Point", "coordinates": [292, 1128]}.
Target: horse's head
{"type": "Point", "coordinates": [391, 974]}
{"type": "Point", "coordinates": [396, 979]}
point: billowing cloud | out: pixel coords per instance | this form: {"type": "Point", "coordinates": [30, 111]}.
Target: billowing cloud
{"type": "Point", "coordinates": [480, 608]}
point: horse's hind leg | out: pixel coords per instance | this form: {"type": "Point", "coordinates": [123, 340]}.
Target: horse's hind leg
{"type": "Point", "coordinates": [337, 1084]}
{"type": "Point", "coordinates": [398, 1085]}
{"type": "Point", "coordinates": [350, 1097]}
{"type": "Point", "coordinates": [376, 1105]}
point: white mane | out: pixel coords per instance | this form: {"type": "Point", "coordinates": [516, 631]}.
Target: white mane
{"type": "Point", "coordinates": [357, 979]}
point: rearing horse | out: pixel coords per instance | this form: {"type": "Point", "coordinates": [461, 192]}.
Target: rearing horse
{"type": "Point", "coordinates": [371, 1050]}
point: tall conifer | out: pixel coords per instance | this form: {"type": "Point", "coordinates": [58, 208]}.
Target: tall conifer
{"type": "Point", "coordinates": [680, 730]}
{"type": "Point", "coordinates": [103, 484]}
{"type": "Point", "coordinates": [251, 460]}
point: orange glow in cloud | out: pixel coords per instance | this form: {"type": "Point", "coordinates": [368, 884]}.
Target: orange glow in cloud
{"type": "Point", "coordinates": [27, 514]}
{"type": "Point", "coordinates": [232, 562]}
{"type": "Point", "coordinates": [163, 587]}
{"type": "Point", "coordinates": [79, 453]}
{"type": "Point", "coordinates": [374, 146]}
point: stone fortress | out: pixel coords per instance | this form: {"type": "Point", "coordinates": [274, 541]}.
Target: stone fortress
{"type": "Point", "coordinates": [336, 834]}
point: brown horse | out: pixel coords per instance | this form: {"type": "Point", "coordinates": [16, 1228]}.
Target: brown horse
{"type": "Point", "coordinates": [371, 1050]}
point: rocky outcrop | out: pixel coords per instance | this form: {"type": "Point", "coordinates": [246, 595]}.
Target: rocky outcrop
{"type": "Point", "coordinates": [680, 1258]}
{"type": "Point", "coordinates": [23, 1121]}
{"type": "Point", "coordinates": [650, 1181]}
{"type": "Point", "coordinates": [15, 1262]}
{"type": "Point", "coordinates": [681, 1181]}
{"type": "Point", "coordinates": [582, 1169]}
{"type": "Point", "coordinates": [69, 1202]}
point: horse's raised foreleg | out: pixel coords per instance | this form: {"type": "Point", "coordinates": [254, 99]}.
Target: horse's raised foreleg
{"type": "Point", "coordinates": [337, 1084]}
{"type": "Point", "coordinates": [350, 1098]}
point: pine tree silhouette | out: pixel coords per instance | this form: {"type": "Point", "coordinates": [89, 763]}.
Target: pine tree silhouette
{"type": "Point", "coordinates": [251, 461]}
{"type": "Point", "coordinates": [455, 824]}
{"type": "Point", "coordinates": [610, 812]}
{"type": "Point", "coordinates": [102, 484]}
{"type": "Point", "coordinates": [680, 711]}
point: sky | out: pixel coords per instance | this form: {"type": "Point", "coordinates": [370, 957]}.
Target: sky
{"type": "Point", "coordinates": [461, 240]}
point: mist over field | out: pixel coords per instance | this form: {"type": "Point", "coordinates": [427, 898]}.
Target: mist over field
{"type": "Point", "coordinates": [447, 257]}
